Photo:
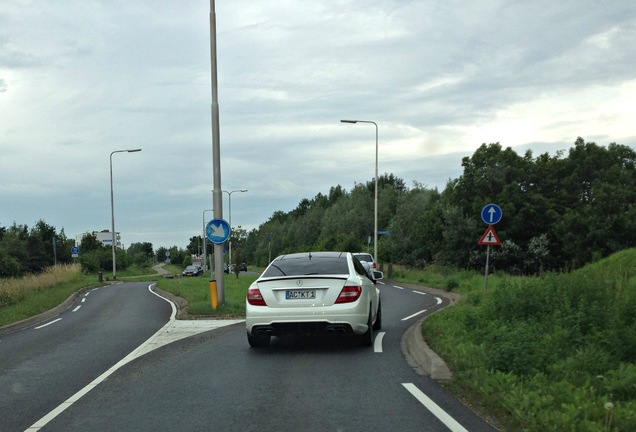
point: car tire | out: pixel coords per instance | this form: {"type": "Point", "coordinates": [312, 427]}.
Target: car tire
{"type": "Point", "coordinates": [258, 341]}
{"type": "Point", "coordinates": [377, 325]}
{"type": "Point", "coordinates": [367, 337]}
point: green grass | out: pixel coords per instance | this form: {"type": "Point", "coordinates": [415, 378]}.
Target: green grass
{"type": "Point", "coordinates": [546, 353]}
{"type": "Point", "coordinates": [445, 278]}
{"type": "Point", "coordinates": [29, 296]}
{"type": "Point", "coordinates": [196, 291]}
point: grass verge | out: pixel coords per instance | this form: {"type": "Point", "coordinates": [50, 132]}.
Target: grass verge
{"type": "Point", "coordinates": [29, 296]}
{"type": "Point", "coordinates": [196, 291]}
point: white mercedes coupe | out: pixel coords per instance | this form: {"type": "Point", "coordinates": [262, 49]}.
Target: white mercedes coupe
{"type": "Point", "coordinates": [314, 293]}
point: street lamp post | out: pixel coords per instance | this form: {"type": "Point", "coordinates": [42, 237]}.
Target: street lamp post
{"type": "Point", "coordinates": [205, 242]}
{"type": "Point", "coordinates": [112, 207]}
{"type": "Point", "coordinates": [375, 221]}
{"type": "Point", "coordinates": [229, 204]}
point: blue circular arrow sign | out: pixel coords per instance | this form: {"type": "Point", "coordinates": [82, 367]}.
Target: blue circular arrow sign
{"type": "Point", "coordinates": [217, 231]}
{"type": "Point", "coordinates": [491, 214]}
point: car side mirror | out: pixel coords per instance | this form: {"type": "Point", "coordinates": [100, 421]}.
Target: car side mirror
{"type": "Point", "coordinates": [377, 275]}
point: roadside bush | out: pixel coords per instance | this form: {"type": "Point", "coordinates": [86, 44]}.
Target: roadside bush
{"type": "Point", "coordinates": [451, 284]}
{"type": "Point", "coordinates": [89, 262]}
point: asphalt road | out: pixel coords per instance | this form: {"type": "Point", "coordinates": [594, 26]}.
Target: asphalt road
{"type": "Point", "coordinates": [214, 381]}
{"type": "Point", "coordinates": [45, 364]}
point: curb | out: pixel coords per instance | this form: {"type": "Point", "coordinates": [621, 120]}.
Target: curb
{"type": "Point", "coordinates": [418, 354]}
{"type": "Point", "coordinates": [421, 357]}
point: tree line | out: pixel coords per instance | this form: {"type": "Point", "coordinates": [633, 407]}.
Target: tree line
{"type": "Point", "coordinates": [25, 250]}
{"type": "Point", "coordinates": [559, 213]}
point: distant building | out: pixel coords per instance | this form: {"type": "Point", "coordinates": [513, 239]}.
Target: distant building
{"type": "Point", "coordinates": [105, 237]}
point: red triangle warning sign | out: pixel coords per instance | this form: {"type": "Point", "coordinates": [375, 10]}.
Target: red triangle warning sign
{"type": "Point", "coordinates": [489, 238]}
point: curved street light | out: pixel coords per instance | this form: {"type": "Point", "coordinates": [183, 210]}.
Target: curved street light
{"type": "Point", "coordinates": [375, 216]}
{"type": "Point", "coordinates": [112, 206]}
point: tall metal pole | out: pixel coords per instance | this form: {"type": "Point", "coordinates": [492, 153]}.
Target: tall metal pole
{"type": "Point", "coordinates": [112, 209]}
{"type": "Point", "coordinates": [375, 200]}
{"type": "Point", "coordinates": [217, 195]}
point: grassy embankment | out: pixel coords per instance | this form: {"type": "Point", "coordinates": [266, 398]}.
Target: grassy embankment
{"type": "Point", "coordinates": [551, 353]}
{"type": "Point", "coordinates": [31, 295]}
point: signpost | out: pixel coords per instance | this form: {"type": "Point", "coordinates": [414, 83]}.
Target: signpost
{"type": "Point", "coordinates": [490, 214]}
{"type": "Point", "coordinates": [217, 231]}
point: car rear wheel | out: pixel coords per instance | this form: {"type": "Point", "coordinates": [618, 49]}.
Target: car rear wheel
{"type": "Point", "coordinates": [367, 338]}
{"type": "Point", "coordinates": [258, 341]}
{"type": "Point", "coordinates": [377, 325]}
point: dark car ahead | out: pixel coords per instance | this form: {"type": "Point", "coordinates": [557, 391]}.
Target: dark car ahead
{"type": "Point", "coordinates": [193, 270]}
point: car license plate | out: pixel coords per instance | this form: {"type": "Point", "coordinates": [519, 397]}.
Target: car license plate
{"type": "Point", "coordinates": [300, 294]}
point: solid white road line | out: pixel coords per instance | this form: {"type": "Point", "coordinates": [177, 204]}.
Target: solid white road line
{"type": "Point", "coordinates": [414, 315]}
{"type": "Point", "coordinates": [47, 324]}
{"type": "Point", "coordinates": [435, 409]}
{"type": "Point", "coordinates": [377, 344]}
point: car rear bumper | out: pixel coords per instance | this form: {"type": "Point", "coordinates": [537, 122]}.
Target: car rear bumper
{"type": "Point", "coordinates": [282, 329]}
{"type": "Point", "coordinates": [280, 324]}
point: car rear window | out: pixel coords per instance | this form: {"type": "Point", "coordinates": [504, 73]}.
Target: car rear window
{"type": "Point", "coordinates": [306, 265]}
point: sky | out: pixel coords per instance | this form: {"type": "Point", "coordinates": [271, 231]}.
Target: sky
{"type": "Point", "coordinates": [80, 79]}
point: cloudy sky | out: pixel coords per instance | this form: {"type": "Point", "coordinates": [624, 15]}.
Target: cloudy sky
{"type": "Point", "coordinates": [80, 79]}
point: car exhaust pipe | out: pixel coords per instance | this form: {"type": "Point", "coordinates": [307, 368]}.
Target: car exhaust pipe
{"type": "Point", "coordinates": [339, 329]}
{"type": "Point", "coordinates": [264, 331]}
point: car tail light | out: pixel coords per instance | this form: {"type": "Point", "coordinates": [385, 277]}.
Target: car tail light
{"type": "Point", "coordinates": [349, 294]}
{"type": "Point", "coordinates": [255, 298]}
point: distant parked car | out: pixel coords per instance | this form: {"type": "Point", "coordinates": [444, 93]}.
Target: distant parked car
{"type": "Point", "coordinates": [193, 270]}
{"type": "Point", "coordinates": [363, 256]}
{"type": "Point", "coordinates": [313, 292]}
{"type": "Point", "coordinates": [242, 267]}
